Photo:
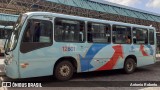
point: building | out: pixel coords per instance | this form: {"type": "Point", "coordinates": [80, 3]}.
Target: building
{"type": "Point", "coordinates": [87, 8]}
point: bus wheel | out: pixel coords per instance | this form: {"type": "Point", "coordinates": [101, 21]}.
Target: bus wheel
{"type": "Point", "coordinates": [129, 65]}
{"type": "Point", "coordinates": [64, 70]}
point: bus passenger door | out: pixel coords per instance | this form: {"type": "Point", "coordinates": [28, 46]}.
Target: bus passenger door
{"type": "Point", "coordinates": [35, 50]}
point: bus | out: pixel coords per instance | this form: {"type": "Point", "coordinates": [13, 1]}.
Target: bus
{"type": "Point", "coordinates": [158, 42]}
{"type": "Point", "coordinates": [4, 33]}
{"type": "Point", "coordinates": [45, 43]}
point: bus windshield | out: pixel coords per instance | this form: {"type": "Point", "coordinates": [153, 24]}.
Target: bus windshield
{"type": "Point", "coordinates": [12, 41]}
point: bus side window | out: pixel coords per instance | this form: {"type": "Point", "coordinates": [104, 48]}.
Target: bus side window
{"type": "Point", "coordinates": [27, 33]}
{"type": "Point", "coordinates": [38, 31]}
{"type": "Point", "coordinates": [140, 36]}
{"type": "Point", "coordinates": [121, 34]}
{"type": "Point", "coordinates": [134, 40]}
{"type": "Point", "coordinates": [114, 38]}
{"type": "Point", "coordinates": [98, 33]}
{"type": "Point", "coordinates": [151, 37]}
{"type": "Point", "coordinates": [72, 30]}
{"type": "Point", "coordinates": [89, 34]}
{"type": "Point", "coordinates": [146, 40]}
{"type": "Point", "coordinates": [81, 35]}
{"type": "Point", "coordinates": [38, 34]}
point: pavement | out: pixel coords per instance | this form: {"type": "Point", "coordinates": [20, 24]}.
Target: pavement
{"type": "Point", "coordinates": [148, 73]}
{"type": "Point", "coordinates": [1, 66]}
{"type": "Point", "coordinates": [158, 57]}
{"type": "Point", "coordinates": [2, 63]}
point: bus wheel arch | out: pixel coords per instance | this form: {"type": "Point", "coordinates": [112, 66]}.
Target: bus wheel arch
{"type": "Point", "coordinates": [130, 64]}
{"type": "Point", "coordinates": [69, 63]}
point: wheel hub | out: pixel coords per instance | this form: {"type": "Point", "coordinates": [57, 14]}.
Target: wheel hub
{"type": "Point", "coordinates": [64, 70]}
{"type": "Point", "coordinates": [129, 66]}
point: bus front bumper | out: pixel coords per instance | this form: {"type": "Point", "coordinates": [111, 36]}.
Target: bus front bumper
{"type": "Point", "coordinates": [11, 70]}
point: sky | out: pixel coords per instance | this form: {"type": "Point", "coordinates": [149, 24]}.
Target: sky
{"type": "Point", "coordinates": [147, 5]}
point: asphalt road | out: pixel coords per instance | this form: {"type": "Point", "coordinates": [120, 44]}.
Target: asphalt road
{"type": "Point", "coordinates": [94, 80]}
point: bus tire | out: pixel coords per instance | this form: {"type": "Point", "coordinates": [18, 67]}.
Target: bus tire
{"type": "Point", "coordinates": [63, 70]}
{"type": "Point", "coordinates": [129, 66]}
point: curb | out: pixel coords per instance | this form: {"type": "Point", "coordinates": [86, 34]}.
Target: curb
{"type": "Point", "coordinates": [2, 74]}
{"type": "Point", "coordinates": [1, 70]}
{"type": "Point", "coordinates": [157, 60]}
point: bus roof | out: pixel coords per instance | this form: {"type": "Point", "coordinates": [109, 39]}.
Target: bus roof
{"type": "Point", "coordinates": [86, 19]}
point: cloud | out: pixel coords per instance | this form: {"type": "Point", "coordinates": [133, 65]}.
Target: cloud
{"type": "Point", "coordinates": [153, 4]}
{"type": "Point", "coordinates": [125, 2]}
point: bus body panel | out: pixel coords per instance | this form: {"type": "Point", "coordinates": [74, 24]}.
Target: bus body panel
{"type": "Point", "coordinates": [11, 70]}
{"type": "Point", "coordinates": [41, 62]}
{"type": "Point", "coordinates": [12, 64]}
{"type": "Point", "coordinates": [103, 55]}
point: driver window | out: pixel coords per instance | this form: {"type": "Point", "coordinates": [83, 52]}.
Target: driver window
{"type": "Point", "coordinates": [38, 31]}
{"type": "Point", "coordinates": [38, 34]}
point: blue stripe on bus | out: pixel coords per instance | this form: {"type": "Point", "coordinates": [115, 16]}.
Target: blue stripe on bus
{"type": "Point", "coordinates": [151, 49]}
{"type": "Point", "coordinates": [86, 61]}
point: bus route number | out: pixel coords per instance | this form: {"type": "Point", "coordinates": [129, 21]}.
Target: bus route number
{"type": "Point", "coordinates": [68, 49]}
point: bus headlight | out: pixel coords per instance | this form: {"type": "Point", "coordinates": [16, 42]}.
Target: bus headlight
{"type": "Point", "coordinates": [10, 61]}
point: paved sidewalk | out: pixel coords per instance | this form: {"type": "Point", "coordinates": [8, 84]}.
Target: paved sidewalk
{"type": "Point", "coordinates": [1, 61]}
{"type": "Point", "coordinates": [1, 67]}
{"type": "Point", "coordinates": [158, 57]}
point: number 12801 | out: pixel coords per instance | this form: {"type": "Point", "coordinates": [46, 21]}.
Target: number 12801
{"type": "Point", "coordinates": [68, 49]}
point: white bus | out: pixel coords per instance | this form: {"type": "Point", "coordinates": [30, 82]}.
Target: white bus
{"type": "Point", "coordinates": [4, 32]}
{"type": "Point", "coordinates": [44, 43]}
